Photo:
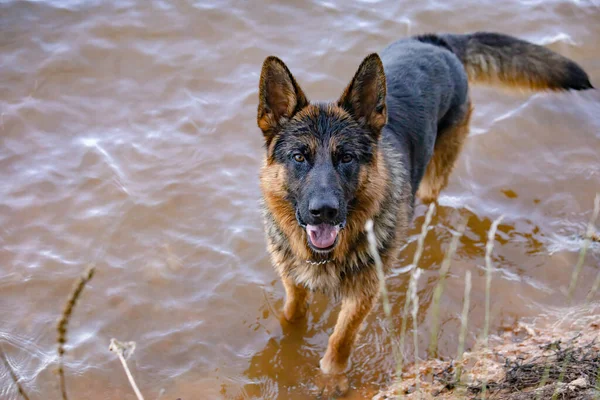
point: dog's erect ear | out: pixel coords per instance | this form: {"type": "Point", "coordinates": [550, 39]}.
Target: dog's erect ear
{"type": "Point", "coordinates": [364, 97]}
{"type": "Point", "coordinates": [279, 96]}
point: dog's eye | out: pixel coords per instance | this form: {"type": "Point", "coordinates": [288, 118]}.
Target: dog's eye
{"type": "Point", "coordinates": [346, 158]}
{"type": "Point", "coordinates": [299, 158]}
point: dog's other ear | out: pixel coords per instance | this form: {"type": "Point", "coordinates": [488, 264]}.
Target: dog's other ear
{"type": "Point", "coordinates": [279, 97]}
{"type": "Point", "coordinates": [364, 97]}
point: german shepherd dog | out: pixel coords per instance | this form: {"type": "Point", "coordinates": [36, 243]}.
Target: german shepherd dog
{"type": "Point", "coordinates": [394, 135]}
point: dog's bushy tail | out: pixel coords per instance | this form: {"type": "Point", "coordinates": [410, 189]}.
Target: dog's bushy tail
{"type": "Point", "coordinates": [494, 58]}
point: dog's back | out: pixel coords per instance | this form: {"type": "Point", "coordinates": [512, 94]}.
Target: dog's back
{"type": "Point", "coordinates": [427, 85]}
{"type": "Point", "coordinates": [428, 103]}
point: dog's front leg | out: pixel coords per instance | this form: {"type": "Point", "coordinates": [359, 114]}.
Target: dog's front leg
{"type": "Point", "coordinates": [295, 300]}
{"type": "Point", "coordinates": [353, 313]}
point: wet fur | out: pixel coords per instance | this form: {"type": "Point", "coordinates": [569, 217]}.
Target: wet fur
{"type": "Point", "coordinates": [416, 134]}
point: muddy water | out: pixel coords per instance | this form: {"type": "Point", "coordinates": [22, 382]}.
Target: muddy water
{"type": "Point", "coordinates": [128, 140]}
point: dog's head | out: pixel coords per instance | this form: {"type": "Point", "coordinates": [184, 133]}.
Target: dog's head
{"type": "Point", "coordinates": [323, 150]}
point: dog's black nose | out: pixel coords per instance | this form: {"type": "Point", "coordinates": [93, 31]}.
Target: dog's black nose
{"type": "Point", "coordinates": [324, 208]}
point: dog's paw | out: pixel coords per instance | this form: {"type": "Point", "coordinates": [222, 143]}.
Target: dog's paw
{"type": "Point", "coordinates": [331, 365]}
{"type": "Point", "coordinates": [330, 386]}
{"type": "Point", "coordinates": [295, 311]}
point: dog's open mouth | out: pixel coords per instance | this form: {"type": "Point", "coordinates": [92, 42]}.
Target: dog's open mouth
{"type": "Point", "coordinates": [323, 237]}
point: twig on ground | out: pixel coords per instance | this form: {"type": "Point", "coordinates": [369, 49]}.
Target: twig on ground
{"type": "Point", "coordinates": [124, 351]}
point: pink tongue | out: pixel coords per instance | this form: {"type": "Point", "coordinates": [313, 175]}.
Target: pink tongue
{"type": "Point", "coordinates": [322, 235]}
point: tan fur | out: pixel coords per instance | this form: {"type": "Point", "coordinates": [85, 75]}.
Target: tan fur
{"type": "Point", "coordinates": [272, 182]}
{"type": "Point", "coordinates": [354, 311]}
{"type": "Point", "coordinates": [513, 63]}
{"type": "Point", "coordinates": [447, 148]}
{"type": "Point", "coordinates": [295, 300]}
{"type": "Point", "coordinates": [492, 71]}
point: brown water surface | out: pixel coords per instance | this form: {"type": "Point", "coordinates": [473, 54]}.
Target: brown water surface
{"type": "Point", "coordinates": [128, 140]}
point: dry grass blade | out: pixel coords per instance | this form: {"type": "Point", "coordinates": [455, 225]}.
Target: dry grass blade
{"type": "Point", "coordinates": [63, 324]}
{"type": "Point", "coordinates": [439, 289]}
{"type": "Point", "coordinates": [586, 243]}
{"type": "Point", "coordinates": [561, 377]}
{"type": "Point", "coordinates": [379, 266]}
{"type": "Point", "coordinates": [418, 253]}
{"type": "Point", "coordinates": [387, 309]}
{"type": "Point", "coordinates": [463, 325]}
{"type": "Point", "coordinates": [124, 351]}
{"type": "Point", "coordinates": [415, 309]}
{"type": "Point", "coordinates": [423, 235]}
{"type": "Point", "coordinates": [489, 248]}
{"type": "Point", "coordinates": [13, 375]}
{"type": "Point", "coordinates": [597, 396]}
{"type": "Point", "coordinates": [545, 374]}
{"type": "Point", "coordinates": [594, 289]}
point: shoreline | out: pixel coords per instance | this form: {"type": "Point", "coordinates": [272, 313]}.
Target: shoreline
{"type": "Point", "coordinates": [557, 353]}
